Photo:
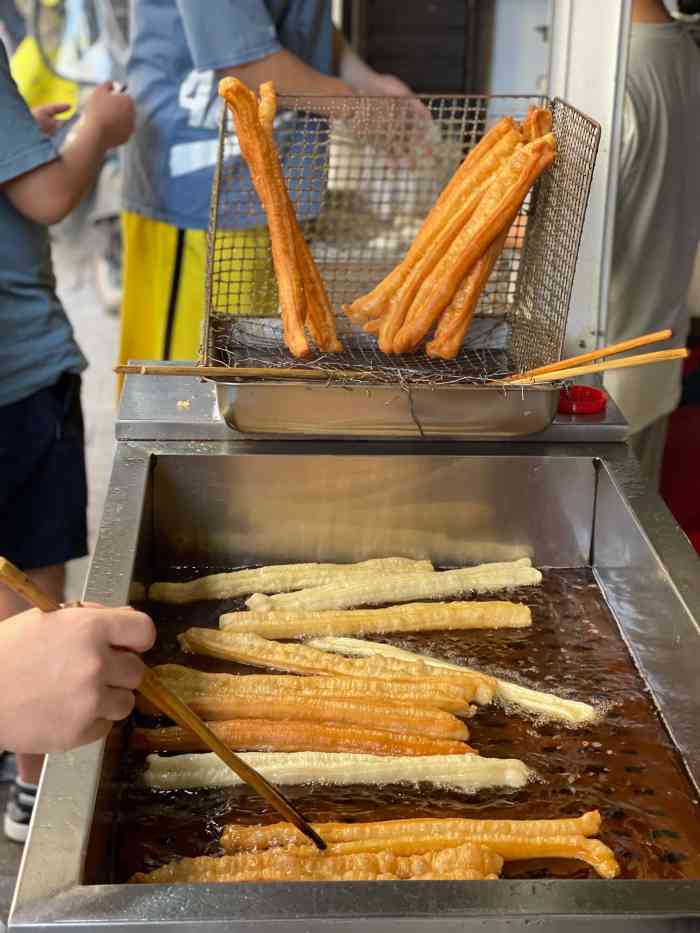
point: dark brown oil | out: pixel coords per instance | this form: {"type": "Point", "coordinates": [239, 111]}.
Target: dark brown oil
{"type": "Point", "coordinates": [625, 765]}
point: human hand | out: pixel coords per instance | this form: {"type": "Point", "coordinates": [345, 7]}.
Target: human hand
{"type": "Point", "coordinates": [68, 675]}
{"type": "Point", "coordinates": [382, 85]}
{"type": "Point", "coordinates": [45, 117]}
{"type": "Point", "coordinates": [112, 112]}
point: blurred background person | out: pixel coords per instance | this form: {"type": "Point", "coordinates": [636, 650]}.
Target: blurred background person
{"type": "Point", "coordinates": [657, 221]}
{"type": "Point", "coordinates": [180, 49]}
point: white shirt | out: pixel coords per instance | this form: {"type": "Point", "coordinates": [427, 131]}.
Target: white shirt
{"type": "Point", "coordinates": [657, 223]}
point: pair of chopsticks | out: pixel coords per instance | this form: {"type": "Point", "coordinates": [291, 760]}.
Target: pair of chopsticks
{"type": "Point", "coordinates": [575, 366]}
{"type": "Point", "coordinates": [163, 698]}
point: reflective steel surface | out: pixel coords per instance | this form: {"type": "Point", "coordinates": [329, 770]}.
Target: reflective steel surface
{"type": "Point", "coordinates": [182, 408]}
{"type": "Point", "coordinates": [562, 504]}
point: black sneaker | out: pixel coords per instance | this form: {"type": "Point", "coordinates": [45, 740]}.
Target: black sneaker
{"type": "Point", "coordinates": [19, 809]}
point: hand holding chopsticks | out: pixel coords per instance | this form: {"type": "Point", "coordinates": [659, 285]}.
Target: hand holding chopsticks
{"type": "Point", "coordinates": [582, 365]}
{"type": "Point", "coordinates": [169, 703]}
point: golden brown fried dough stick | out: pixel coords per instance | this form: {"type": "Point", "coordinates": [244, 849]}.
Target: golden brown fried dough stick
{"type": "Point", "coordinates": [320, 319]}
{"type": "Point", "coordinates": [455, 319]}
{"type": "Point", "coordinates": [467, 861]}
{"type": "Point", "coordinates": [386, 716]}
{"type": "Point", "coordinates": [206, 689]}
{"type": "Point", "coordinates": [537, 123]}
{"type": "Point", "coordinates": [301, 659]}
{"type": "Point", "coordinates": [253, 838]}
{"type": "Point", "coordinates": [500, 203]}
{"type": "Point", "coordinates": [498, 143]}
{"type": "Point", "coordinates": [266, 173]}
{"type": "Point", "coordinates": [410, 617]}
{"type": "Point", "coordinates": [447, 227]}
{"type": "Point", "coordinates": [263, 735]}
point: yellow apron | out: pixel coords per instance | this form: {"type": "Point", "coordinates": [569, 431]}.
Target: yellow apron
{"type": "Point", "coordinates": [164, 286]}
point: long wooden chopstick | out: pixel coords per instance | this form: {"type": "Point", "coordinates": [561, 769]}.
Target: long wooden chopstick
{"type": "Point", "coordinates": [642, 359]}
{"type": "Point", "coordinates": [163, 698]}
{"type": "Point", "coordinates": [238, 372]}
{"type": "Point", "coordinates": [599, 354]}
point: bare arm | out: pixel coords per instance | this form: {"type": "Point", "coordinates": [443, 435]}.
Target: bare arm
{"type": "Point", "coordinates": [290, 74]}
{"type": "Point", "coordinates": [49, 193]}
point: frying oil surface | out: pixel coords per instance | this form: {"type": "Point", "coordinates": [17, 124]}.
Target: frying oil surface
{"type": "Point", "coordinates": [623, 765]}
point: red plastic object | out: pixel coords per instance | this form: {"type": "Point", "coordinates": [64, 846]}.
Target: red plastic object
{"type": "Point", "coordinates": [582, 400]}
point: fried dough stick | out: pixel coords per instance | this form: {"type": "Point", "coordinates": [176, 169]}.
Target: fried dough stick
{"type": "Point", "coordinates": [511, 848]}
{"type": "Point", "coordinates": [447, 227]}
{"type": "Point", "coordinates": [465, 773]}
{"type": "Point", "coordinates": [498, 143]}
{"type": "Point", "coordinates": [467, 861]}
{"type": "Point", "coordinates": [499, 204]}
{"type": "Point", "coordinates": [320, 319]}
{"type": "Point", "coordinates": [537, 123]}
{"type": "Point", "coordinates": [254, 838]}
{"type": "Point", "coordinates": [302, 659]}
{"type": "Point", "coordinates": [266, 173]}
{"type": "Point", "coordinates": [405, 587]}
{"type": "Point", "coordinates": [415, 700]}
{"type": "Point", "coordinates": [278, 578]}
{"type": "Point", "coordinates": [455, 319]}
{"type": "Point", "coordinates": [263, 735]}
{"type": "Point", "coordinates": [387, 717]}
{"type": "Point", "coordinates": [544, 705]}
{"type": "Point", "coordinates": [412, 617]}
{"type": "Point", "coordinates": [511, 845]}
{"type": "Point", "coordinates": [513, 840]}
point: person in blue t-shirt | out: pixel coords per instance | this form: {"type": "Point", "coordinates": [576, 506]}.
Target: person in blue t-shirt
{"type": "Point", "coordinates": [42, 468]}
{"type": "Point", "coordinates": [179, 51]}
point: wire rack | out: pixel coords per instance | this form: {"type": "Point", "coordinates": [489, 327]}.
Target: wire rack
{"type": "Point", "coordinates": [363, 173]}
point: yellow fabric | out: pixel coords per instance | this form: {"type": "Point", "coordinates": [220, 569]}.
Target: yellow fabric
{"type": "Point", "coordinates": [37, 85]}
{"type": "Point", "coordinates": [150, 248]}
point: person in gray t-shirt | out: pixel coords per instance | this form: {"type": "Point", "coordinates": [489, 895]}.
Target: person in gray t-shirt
{"type": "Point", "coordinates": [42, 469]}
{"type": "Point", "coordinates": [179, 51]}
{"type": "Point", "coordinates": [657, 220]}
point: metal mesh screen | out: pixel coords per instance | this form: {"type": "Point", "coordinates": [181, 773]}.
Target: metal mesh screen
{"type": "Point", "coordinates": [363, 174]}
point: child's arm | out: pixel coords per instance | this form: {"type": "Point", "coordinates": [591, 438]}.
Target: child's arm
{"type": "Point", "coordinates": [49, 193]}
{"type": "Point", "coordinates": [68, 675]}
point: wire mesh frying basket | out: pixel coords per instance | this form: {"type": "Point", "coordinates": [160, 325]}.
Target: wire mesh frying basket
{"type": "Point", "coordinates": [363, 174]}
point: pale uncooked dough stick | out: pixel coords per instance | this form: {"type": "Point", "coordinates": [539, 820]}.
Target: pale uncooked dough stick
{"type": "Point", "coordinates": [277, 579]}
{"type": "Point", "coordinates": [466, 773]}
{"type": "Point", "coordinates": [469, 862]}
{"type": "Point", "coordinates": [302, 659]}
{"type": "Point", "coordinates": [191, 685]}
{"type": "Point", "coordinates": [413, 617]}
{"type": "Point", "coordinates": [237, 838]}
{"type": "Point", "coordinates": [400, 588]}
{"type": "Point", "coordinates": [545, 705]}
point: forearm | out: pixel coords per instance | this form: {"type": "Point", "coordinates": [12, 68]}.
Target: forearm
{"type": "Point", "coordinates": [82, 157]}
{"type": "Point", "coordinates": [49, 193]}
{"type": "Point", "coordinates": [348, 64]}
{"type": "Point", "coordinates": [290, 74]}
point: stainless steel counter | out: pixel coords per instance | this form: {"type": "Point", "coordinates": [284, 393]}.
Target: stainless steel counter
{"type": "Point", "coordinates": [218, 499]}
{"type": "Point", "coordinates": [182, 408]}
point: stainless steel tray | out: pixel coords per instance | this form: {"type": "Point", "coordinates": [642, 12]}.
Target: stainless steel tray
{"type": "Point", "coordinates": [382, 411]}
{"type": "Point", "coordinates": [213, 503]}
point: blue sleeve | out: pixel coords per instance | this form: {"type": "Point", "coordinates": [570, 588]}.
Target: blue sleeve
{"type": "Point", "coordinates": [230, 33]}
{"type": "Point", "coordinates": [22, 144]}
